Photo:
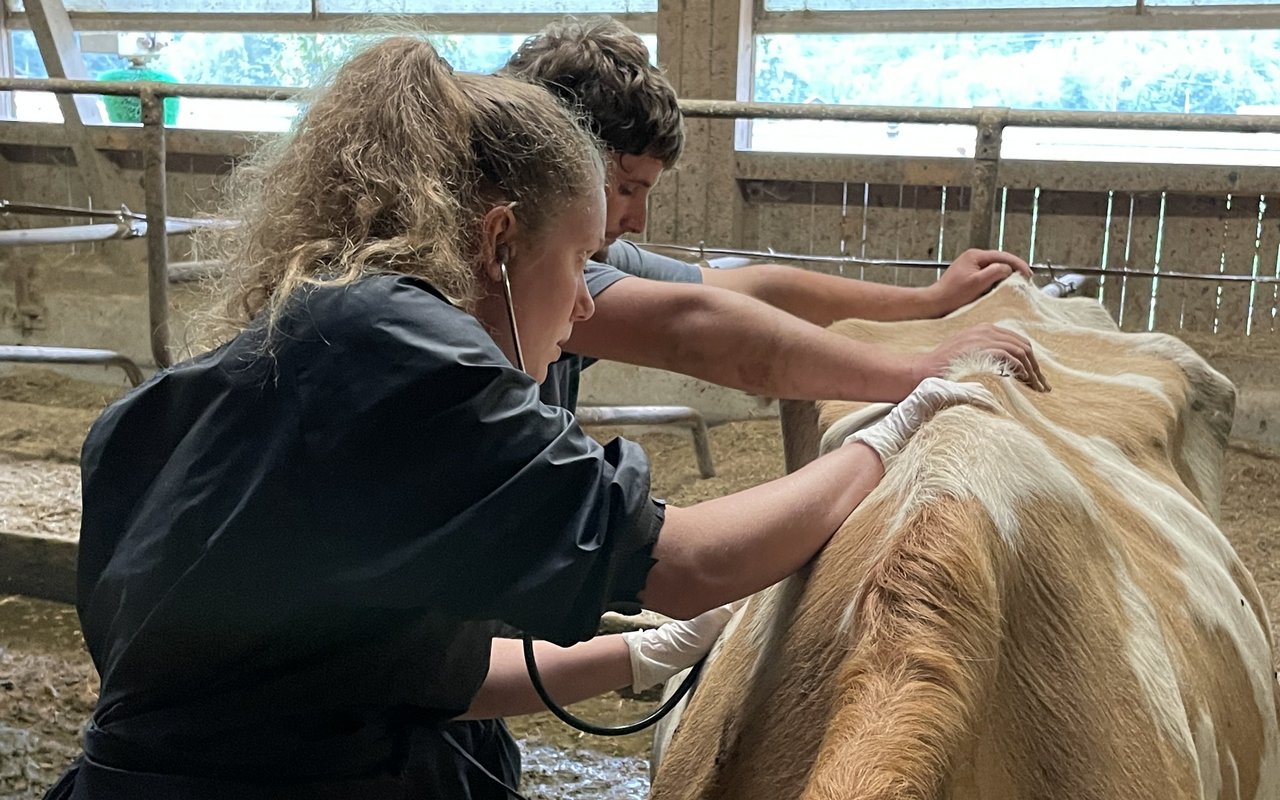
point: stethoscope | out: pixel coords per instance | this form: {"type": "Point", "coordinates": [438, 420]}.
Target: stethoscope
{"type": "Point", "coordinates": [531, 664]}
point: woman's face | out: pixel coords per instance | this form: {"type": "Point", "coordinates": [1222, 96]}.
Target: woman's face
{"type": "Point", "coordinates": [547, 283]}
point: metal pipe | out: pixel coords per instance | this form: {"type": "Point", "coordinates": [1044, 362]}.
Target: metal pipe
{"type": "Point", "coordinates": [157, 208]}
{"type": "Point", "coordinates": [1233, 123]}
{"type": "Point", "coordinates": [194, 271]}
{"type": "Point", "coordinates": [683, 416]}
{"type": "Point", "coordinates": [31, 354]}
{"type": "Point", "coordinates": [1048, 269]}
{"type": "Point", "coordinates": [65, 234]}
{"type": "Point", "coordinates": [1066, 285]}
{"type": "Point", "coordinates": [53, 210]}
{"type": "Point", "coordinates": [128, 228]}
{"type": "Point", "coordinates": [137, 88]}
{"type": "Point", "coordinates": [729, 109]}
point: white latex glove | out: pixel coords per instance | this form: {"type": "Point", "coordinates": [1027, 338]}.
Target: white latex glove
{"type": "Point", "coordinates": [659, 653]}
{"type": "Point", "coordinates": [890, 434]}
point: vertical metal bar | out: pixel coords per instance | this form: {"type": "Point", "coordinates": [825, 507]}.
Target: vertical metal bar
{"type": "Point", "coordinates": [56, 38]}
{"type": "Point", "coordinates": [7, 109]}
{"type": "Point", "coordinates": [986, 175]}
{"type": "Point", "coordinates": [702, 449]}
{"type": "Point", "coordinates": [800, 434]}
{"type": "Point", "coordinates": [748, 12]}
{"type": "Point", "coordinates": [157, 203]}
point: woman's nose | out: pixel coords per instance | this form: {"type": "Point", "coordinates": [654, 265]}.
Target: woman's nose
{"type": "Point", "coordinates": [583, 306]}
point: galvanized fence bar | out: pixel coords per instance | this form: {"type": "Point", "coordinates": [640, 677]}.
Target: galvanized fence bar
{"type": "Point", "coordinates": [154, 180]}
{"type": "Point", "coordinates": [728, 109]}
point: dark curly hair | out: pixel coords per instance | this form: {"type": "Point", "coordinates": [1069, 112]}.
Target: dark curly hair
{"type": "Point", "coordinates": [601, 68]}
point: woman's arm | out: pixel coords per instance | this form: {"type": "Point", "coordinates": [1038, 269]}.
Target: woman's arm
{"type": "Point", "coordinates": [725, 548]}
{"type": "Point", "coordinates": [639, 658]}
{"type": "Point", "coordinates": [569, 674]}
{"type": "Point", "coordinates": [732, 546]}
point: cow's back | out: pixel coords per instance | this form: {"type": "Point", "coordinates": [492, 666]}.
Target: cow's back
{"type": "Point", "coordinates": [1032, 604]}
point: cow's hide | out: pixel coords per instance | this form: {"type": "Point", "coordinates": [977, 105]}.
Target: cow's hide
{"type": "Point", "coordinates": [1035, 603]}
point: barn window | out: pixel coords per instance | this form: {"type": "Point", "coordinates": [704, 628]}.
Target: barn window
{"type": "Point", "coordinates": [1087, 55]}
{"type": "Point", "coordinates": [273, 43]}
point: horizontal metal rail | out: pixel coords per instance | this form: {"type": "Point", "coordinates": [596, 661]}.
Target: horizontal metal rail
{"type": "Point", "coordinates": [683, 416]}
{"type": "Point", "coordinates": [55, 210]}
{"type": "Point", "coordinates": [32, 354]}
{"type": "Point", "coordinates": [326, 22]}
{"type": "Point", "coordinates": [1139, 17]}
{"type": "Point", "coordinates": [1007, 117]}
{"type": "Point", "coordinates": [195, 271]}
{"type": "Point", "coordinates": [137, 88]}
{"type": "Point", "coordinates": [727, 109]}
{"type": "Point", "coordinates": [127, 228]}
{"type": "Point", "coordinates": [909, 263]}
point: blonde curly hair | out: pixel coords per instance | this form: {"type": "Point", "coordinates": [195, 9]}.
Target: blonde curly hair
{"type": "Point", "coordinates": [390, 169]}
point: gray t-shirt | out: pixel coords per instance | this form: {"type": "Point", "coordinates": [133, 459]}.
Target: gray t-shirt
{"type": "Point", "coordinates": [623, 259]}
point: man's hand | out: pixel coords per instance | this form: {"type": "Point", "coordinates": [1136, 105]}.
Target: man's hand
{"type": "Point", "coordinates": [970, 276]}
{"type": "Point", "coordinates": [1005, 345]}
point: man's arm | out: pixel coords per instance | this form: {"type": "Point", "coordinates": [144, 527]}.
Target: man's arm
{"type": "Point", "coordinates": [733, 340]}
{"type": "Point", "coordinates": [823, 299]}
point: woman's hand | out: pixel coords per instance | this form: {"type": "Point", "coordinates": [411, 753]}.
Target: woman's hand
{"type": "Point", "coordinates": [891, 433]}
{"type": "Point", "coordinates": [659, 653]}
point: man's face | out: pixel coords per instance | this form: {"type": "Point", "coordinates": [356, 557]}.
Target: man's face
{"type": "Point", "coordinates": [627, 194]}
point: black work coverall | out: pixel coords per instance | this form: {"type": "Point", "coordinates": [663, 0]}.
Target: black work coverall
{"type": "Point", "coordinates": [291, 564]}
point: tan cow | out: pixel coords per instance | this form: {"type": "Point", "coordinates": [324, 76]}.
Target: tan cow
{"type": "Point", "coordinates": [1033, 604]}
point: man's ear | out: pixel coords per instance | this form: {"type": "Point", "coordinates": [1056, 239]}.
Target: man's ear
{"type": "Point", "coordinates": [497, 229]}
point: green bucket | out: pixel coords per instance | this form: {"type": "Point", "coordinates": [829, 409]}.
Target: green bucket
{"type": "Point", "coordinates": [129, 109]}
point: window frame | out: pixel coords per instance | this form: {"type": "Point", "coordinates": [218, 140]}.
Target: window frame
{"type": "Point", "coordinates": [495, 23]}
{"type": "Point", "coordinates": [1138, 16]}
{"type": "Point", "coordinates": [318, 22]}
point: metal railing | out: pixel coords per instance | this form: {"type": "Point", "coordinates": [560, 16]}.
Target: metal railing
{"type": "Point", "coordinates": [746, 256]}
{"type": "Point", "coordinates": [990, 124]}
{"type": "Point", "coordinates": [665, 416]}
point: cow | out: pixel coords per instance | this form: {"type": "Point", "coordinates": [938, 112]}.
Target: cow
{"type": "Point", "coordinates": [1035, 603]}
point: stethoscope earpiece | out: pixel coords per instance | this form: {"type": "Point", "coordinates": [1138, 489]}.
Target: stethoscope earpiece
{"type": "Point", "coordinates": [511, 312]}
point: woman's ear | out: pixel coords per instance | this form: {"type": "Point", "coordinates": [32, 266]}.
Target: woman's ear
{"type": "Point", "coordinates": [498, 228]}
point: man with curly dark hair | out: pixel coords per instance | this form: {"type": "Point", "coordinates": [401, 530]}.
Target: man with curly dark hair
{"type": "Point", "coordinates": [760, 335]}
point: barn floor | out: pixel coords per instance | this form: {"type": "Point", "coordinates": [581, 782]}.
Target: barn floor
{"type": "Point", "coordinates": [48, 686]}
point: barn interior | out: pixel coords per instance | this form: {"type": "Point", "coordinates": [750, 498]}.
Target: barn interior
{"type": "Point", "coordinates": [1134, 143]}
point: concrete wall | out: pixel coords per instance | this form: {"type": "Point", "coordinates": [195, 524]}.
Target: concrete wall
{"type": "Point", "coordinates": [89, 295]}
{"type": "Point", "coordinates": [1203, 219]}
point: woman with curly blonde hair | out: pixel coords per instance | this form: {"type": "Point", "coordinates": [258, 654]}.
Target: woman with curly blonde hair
{"type": "Point", "coordinates": [296, 548]}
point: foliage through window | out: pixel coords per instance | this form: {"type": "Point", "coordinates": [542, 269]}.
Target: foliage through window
{"type": "Point", "coordinates": [257, 59]}
{"type": "Point", "coordinates": [1219, 72]}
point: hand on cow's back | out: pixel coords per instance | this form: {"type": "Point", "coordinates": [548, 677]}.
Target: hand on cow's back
{"type": "Point", "coordinates": [1009, 348]}
{"type": "Point", "coordinates": [972, 275]}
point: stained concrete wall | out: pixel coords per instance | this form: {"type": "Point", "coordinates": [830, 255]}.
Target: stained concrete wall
{"type": "Point", "coordinates": [1203, 219]}
{"type": "Point", "coordinates": [89, 295]}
